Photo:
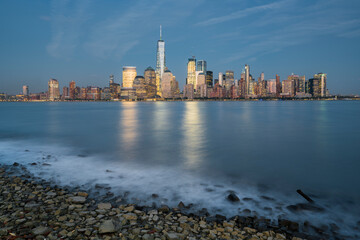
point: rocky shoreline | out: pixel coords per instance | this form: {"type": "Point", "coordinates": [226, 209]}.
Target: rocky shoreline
{"type": "Point", "coordinates": [34, 209]}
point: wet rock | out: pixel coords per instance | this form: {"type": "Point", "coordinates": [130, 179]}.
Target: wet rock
{"type": "Point", "coordinates": [107, 226]}
{"type": "Point", "coordinates": [181, 205]}
{"type": "Point", "coordinates": [15, 164]}
{"type": "Point", "coordinates": [77, 199]}
{"type": "Point", "coordinates": [292, 226]}
{"type": "Point", "coordinates": [164, 209]}
{"type": "Point", "coordinates": [104, 206]}
{"type": "Point", "coordinates": [82, 194]}
{"type": "Point", "coordinates": [232, 197]}
{"type": "Point", "coordinates": [41, 230]}
{"type": "Point", "coordinates": [154, 195]}
{"type": "Point", "coordinates": [306, 207]}
{"type": "Point", "coordinates": [33, 164]}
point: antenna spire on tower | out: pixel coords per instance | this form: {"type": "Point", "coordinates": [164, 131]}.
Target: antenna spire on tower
{"type": "Point", "coordinates": [160, 32]}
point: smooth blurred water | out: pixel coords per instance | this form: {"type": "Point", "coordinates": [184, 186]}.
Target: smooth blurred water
{"type": "Point", "coordinates": [273, 146]}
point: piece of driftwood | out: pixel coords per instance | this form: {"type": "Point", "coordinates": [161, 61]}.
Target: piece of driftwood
{"type": "Point", "coordinates": [305, 196]}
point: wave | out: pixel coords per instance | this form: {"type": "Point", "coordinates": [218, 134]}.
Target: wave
{"type": "Point", "coordinates": [157, 185]}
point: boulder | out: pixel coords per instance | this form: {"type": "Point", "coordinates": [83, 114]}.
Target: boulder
{"type": "Point", "coordinates": [107, 226]}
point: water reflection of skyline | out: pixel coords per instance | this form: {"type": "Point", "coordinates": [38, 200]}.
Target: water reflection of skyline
{"type": "Point", "coordinates": [128, 125]}
{"type": "Point", "coordinates": [194, 135]}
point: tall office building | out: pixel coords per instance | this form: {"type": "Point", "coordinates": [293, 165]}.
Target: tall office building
{"type": "Point", "coordinates": [221, 78]}
{"type": "Point", "coordinates": [247, 79]}
{"type": "Point", "coordinates": [262, 76]}
{"type": "Point", "coordinates": [191, 72]}
{"type": "Point", "coordinates": [128, 76]}
{"type": "Point", "coordinates": [169, 85]}
{"type": "Point", "coordinates": [278, 86]}
{"type": "Point", "coordinates": [209, 78]}
{"type": "Point", "coordinates": [160, 62]}
{"type": "Point", "coordinates": [54, 92]}
{"type": "Point", "coordinates": [150, 81]}
{"type": "Point", "coordinates": [65, 94]}
{"type": "Point", "coordinates": [26, 90]}
{"type": "Point", "coordinates": [72, 87]}
{"type": "Point", "coordinates": [201, 66]}
{"type": "Point", "coordinates": [229, 79]}
{"type": "Point", "coordinates": [111, 79]}
{"type": "Point", "coordinates": [317, 85]}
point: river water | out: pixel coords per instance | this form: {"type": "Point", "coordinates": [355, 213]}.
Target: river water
{"type": "Point", "coordinates": [196, 152]}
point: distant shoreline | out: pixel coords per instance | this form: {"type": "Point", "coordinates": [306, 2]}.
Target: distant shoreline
{"type": "Point", "coordinates": [337, 98]}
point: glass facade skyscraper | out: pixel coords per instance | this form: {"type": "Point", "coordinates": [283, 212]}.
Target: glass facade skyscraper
{"type": "Point", "coordinates": [160, 62]}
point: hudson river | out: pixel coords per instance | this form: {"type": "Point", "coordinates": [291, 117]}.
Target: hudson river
{"type": "Point", "coordinates": [197, 152]}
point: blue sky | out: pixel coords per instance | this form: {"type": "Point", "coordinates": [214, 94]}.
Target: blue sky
{"type": "Point", "coordinates": [88, 40]}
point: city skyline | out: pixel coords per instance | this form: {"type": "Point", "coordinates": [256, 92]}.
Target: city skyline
{"type": "Point", "coordinates": [225, 39]}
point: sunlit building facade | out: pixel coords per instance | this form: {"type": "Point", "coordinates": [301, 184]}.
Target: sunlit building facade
{"type": "Point", "coordinates": [128, 76]}
{"type": "Point", "coordinates": [54, 92]}
{"type": "Point", "coordinates": [160, 62]}
{"type": "Point", "coordinates": [150, 81]}
{"type": "Point", "coordinates": [25, 91]}
{"type": "Point", "coordinates": [191, 72]}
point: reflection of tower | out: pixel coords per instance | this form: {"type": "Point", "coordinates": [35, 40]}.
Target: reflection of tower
{"type": "Point", "coordinates": [160, 62]}
{"type": "Point", "coordinates": [129, 125]}
{"type": "Point", "coordinates": [194, 135]}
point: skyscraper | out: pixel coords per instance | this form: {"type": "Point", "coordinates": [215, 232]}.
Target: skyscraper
{"type": "Point", "coordinates": [26, 90]}
{"type": "Point", "coordinates": [278, 86]}
{"type": "Point", "coordinates": [221, 79]}
{"type": "Point", "coordinates": [191, 72]}
{"type": "Point", "coordinates": [72, 87]}
{"type": "Point", "coordinates": [54, 92]}
{"type": "Point", "coordinates": [128, 76]}
{"type": "Point", "coordinates": [150, 81]}
{"type": "Point", "coordinates": [201, 66]}
{"type": "Point", "coordinates": [229, 79]}
{"type": "Point", "coordinates": [318, 85]}
{"type": "Point", "coordinates": [160, 62]}
{"type": "Point", "coordinates": [247, 79]}
{"type": "Point", "coordinates": [209, 78]}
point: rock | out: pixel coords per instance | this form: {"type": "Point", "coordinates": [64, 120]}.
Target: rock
{"type": "Point", "coordinates": [82, 194]}
{"type": "Point", "coordinates": [173, 236]}
{"type": "Point", "coordinates": [77, 199]}
{"type": "Point", "coordinates": [233, 198]}
{"type": "Point", "coordinates": [105, 206]}
{"type": "Point", "coordinates": [33, 164]}
{"type": "Point", "coordinates": [130, 216]}
{"type": "Point", "coordinates": [129, 209]}
{"type": "Point", "coordinates": [292, 226]}
{"type": "Point", "coordinates": [41, 230]}
{"type": "Point", "coordinates": [107, 226]}
{"type": "Point", "coordinates": [15, 164]}
{"type": "Point", "coordinates": [164, 209]}
{"type": "Point", "coordinates": [181, 205]}
{"type": "Point", "coordinates": [154, 195]}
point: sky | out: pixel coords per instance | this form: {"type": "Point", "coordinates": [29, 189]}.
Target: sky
{"type": "Point", "coordinates": [88, 40]}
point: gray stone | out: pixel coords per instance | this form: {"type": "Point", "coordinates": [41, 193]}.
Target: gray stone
{"type": "Point", "coordinates": [104, 206]}
{"type": "Point", "coordinates": [107, 226]}
{"type": "Point", "coordinates": [77, 199]}
{"type": "Point", "coordinates": [41, 230]}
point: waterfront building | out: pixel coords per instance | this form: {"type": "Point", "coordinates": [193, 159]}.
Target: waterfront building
{"type": "Point", "coordinates": [247, 80]}
{"type": "Point", "coordinates": [221, 79]}
{"type": "Point", "coordinates": [160, 62]}
{"type": "Point", "coordinates": [114, 89]}
{"type": "Point", "coordinates": [111, 78]}
{"type": "Point", "coordinates": [54, 92]}
{"type": "Point", "coordinates": [201, 85]}
{"type": "Point", "coordinates": [83, 92]}
{"type": "Point", "coordinates": [191, 72]}
{"type": "Point", "coordinates": [128, 76]}
{"type": "Point", "coordinates": [140, 87]}
{"type": "Point", "coordinates": [188, 91]}
{"type": "Point", "coordinates": [25, 90]}
{"type": "Point", "coordinates": [65, 94]}
{"type": "Point", "coordinates": [150, 82]}
{"type": "Point", "coordinates": [106, 94]}
{"type": "Point", "coordinates": [201, 80]}
{"type": "Point", "coordinates": [229, 79]}
{"type": "Point", "coordinates": [72, 87]}
{"type": "Point", "coordinates": [209, 78]}
{"type": "Point", "coordinates": [288, 88]}
{"type": "Point", "coordinates": [242, 88]}
{"type": "Point", "coordinates": [271, 87]}
{"type": "Point", "coordinates": [169, 85]}
{"type": "Point", "coordinates": [321, 77]}
{"type": "Point", "coordinates": [278, 85]}
{"type": "Point", "coordinates": [299, 83]}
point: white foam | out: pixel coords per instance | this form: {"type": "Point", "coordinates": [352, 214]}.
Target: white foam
{"type": "Point", "coordinates": [172, 185]}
